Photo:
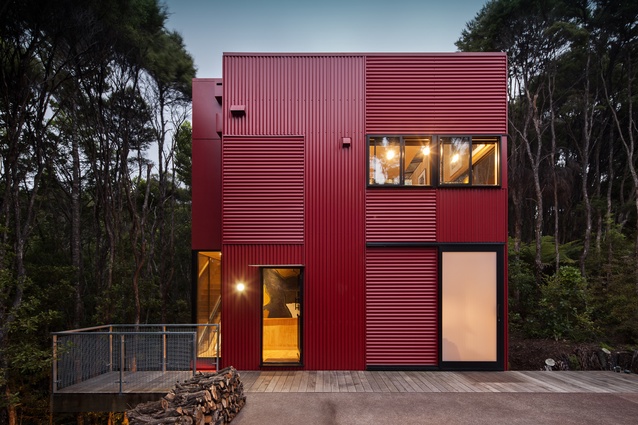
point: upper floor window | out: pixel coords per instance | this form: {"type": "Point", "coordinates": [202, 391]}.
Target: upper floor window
{"type": "Point", "coordinates": [411, 160]}
{"type": "Point", "coordinates": [400, 160]}
{"type": "Point", "coordinates": [469, 160]}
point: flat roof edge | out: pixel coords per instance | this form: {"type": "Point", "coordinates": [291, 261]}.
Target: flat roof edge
{"type": "Point", "coordinates": [322, 54]}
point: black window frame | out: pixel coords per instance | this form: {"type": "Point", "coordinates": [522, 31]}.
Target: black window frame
{"type": "Point", "coordinates": [436, 157]}
{"type": "Point", "coordinates": [433, 166]}
{"type": "Point", "coordinates": [470, 183]}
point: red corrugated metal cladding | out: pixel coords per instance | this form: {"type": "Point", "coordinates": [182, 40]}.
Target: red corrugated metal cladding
{"type": "Point", "coordinates": [400, 215]}
{"type": "Point", "coordinates": [206, 180]}
{"type": "Point", "coordinates": [401, 306]}
{"type": "Point", "coordinates": [263, 192]}
{"type": "Point", "coordinates": [436, 93]}
{"type": "Point", "coordinates": [322, 99]}
{"type": "Point", "coordinates": [472, 215]}
{"type": "Point", "coordinates": [241, 311]}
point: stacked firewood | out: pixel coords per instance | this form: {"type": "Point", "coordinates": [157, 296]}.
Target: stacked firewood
{"type": "Point", "coordinates": [204, 399]}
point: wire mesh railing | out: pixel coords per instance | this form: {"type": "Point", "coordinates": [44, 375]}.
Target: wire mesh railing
{"type": "Point", "coordinates": [132, 358]}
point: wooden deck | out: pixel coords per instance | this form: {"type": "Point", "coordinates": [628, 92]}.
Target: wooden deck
{"type": "Point", "coordinates": [102, 393]}
{"type": "Point", "coordinates": [435, 382]}
{"type": "Point", "coordinates": [364, 381]}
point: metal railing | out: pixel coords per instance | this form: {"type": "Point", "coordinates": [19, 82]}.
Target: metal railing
{"type": "Point", "coordinates": [140, 358]}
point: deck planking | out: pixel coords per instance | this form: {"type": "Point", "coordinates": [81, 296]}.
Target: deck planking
{"type": "Point", "coordinates": [379, 382]}
{"type": "Point", "coordinates": [460, 382]}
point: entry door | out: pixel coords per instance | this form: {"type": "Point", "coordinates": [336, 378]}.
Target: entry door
{"type": "Point", "coordinates": [281, 316]}
{"type": "Point", "coordinates": [471, 304]}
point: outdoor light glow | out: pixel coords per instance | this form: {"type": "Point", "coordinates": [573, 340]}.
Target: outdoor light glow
{"type": "Point", "coordinates": [455, 158]}
{"type": "Point", "coordinates": [241, 287]}
{"type": "Point", "coordinates": [390, 154]}
{"type": "Point", "coordinates": [425, 150]}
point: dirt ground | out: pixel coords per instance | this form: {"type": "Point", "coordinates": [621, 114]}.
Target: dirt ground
{"type": "Point", "coordinates": [530, 354]}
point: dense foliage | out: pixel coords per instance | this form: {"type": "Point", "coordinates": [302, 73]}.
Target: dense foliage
{"type": "Point", "coordinates": [572, 153]}
{"type": "Point", "coordinates": [94, 217]}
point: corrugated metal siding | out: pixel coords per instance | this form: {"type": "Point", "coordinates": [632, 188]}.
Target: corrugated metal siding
{"type": "Point", "coordinates": [206, 206]}
{"type": "Point", "coordinates": [436, 94]}
{"type": "Point", "coordinates": [206, 210]}
{"type": "Point", "coordinates": [241, 312]}
{"type": "Point", "coordinates": [400, 215]}
{"type": "Point", "coordinates": [321, 97]}
{"type": "Point", "coordinates": [263, 190]}
{"type": "Point", "coordinates": [472, 215]}
{"type": "Point", "coordinates": [401, 306]}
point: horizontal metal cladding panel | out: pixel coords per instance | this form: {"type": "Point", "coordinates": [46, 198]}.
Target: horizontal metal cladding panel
{"type": "Point", "coordinates": [263, 190]}
{"type": "Point", "coordinates": [436, 94]}
{"type": "Point", "coordinates": [241, 311]}
{"type": "Point", "coordinates": [401, 306]}
{"type": "Point", "coordinates": [472, 215]}
{"type": "Point", "coordinates": [400, 215]}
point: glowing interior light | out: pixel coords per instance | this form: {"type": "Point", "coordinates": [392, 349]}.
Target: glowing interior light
{"type": "Point", "coordinates": [241, 287]}
{"type": "Point", "coordinates": [390, 154]}
{"type": "Point", "coordinates": [455, 158]}
{"type": "Point", "coordinates": [425, 150]}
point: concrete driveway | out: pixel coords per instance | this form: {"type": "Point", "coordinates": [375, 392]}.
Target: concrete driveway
{"type": "Point", "coordinates": [438, 408]}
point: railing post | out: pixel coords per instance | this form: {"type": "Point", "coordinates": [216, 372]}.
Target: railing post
{"type": "Point", "coordinates": [122, 362]}
{"type": "Point", "coordinates": [217, 354]}
{"type": "Point", "coordinates": [195, 352]}
{"type": "Point", "coordinates": [110, 348]}
{"type": "Point", "coordinates": [55, 364]}
{"type": "Point", "coordinates": [164, 352]}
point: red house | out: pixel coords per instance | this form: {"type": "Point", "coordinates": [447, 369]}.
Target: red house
{"type": "Point", "coordinates": [350, 210]}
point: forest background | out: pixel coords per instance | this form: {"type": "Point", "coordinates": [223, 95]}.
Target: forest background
{"type": "Point", "coordinates": [93, 230]}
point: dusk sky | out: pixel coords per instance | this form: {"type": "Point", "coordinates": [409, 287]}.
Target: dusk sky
{"type": "Point", "coordinates": [211, 27]}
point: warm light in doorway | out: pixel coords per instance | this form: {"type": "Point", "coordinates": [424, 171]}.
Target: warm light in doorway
{"type": "Point", "coordinates": [240, 287]}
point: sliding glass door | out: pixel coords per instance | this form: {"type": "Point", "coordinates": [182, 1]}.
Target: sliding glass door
{"type": "Point", "coordinates": [471, 303]}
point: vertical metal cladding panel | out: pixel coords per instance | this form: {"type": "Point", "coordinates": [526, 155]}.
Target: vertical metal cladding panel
{"type": "Point", "coordinates": [400, 215]}
{"type": "Point", "coordinates": [436, 93]}
{"type": "Point", "coordinates": [472, 215]}
{"type": "Point", "coordinates": [401, 306]}
{"type": "Point", "coordinates": [322, 98]}
{"type": "Point", "coordinates": [241, 311]}
{"type": "Point", "coordinates": [206, 208]}
{"type": "Point", "coordinates": [263, 190]}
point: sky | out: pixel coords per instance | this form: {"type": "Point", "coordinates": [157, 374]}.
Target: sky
{"type": "Point", "coordinates": [211, 27]}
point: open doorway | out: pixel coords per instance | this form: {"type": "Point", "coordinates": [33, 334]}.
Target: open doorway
{"type": "Point", "coordinates": [281, 315]}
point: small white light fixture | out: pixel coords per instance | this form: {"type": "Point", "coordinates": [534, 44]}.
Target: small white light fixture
{"type": "Point", "coordinates": [390, 154]}
{"type": "Point", "coordinates": [240, 287]}
{"type": "Point", "coordinates": [455, 158]}
{"type": "Point", "coordinates": [425, 150]}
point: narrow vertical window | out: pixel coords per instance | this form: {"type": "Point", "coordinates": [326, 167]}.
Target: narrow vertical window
{"type": "Point", "coordinates": [455, 160]}
{"type": "Point", "coordinates": [385, 160]}
{"type": "Point", "coordinates": [417, 163]}
{"type": "Point", "coordinates": [484, 161]}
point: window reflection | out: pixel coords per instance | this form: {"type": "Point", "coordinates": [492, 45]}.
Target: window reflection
{"type": "Point", "coordinates": [385, 160]}
{"type": "Point", "coordinates": [455, 160]}
{"type": "Point", "coordinates": [469, 160]}
{"type": "Point", "coordinates": [417, 161]}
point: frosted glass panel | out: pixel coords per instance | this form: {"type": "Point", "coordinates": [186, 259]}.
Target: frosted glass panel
{"type": "Point", "coordinates": [469, 306]}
